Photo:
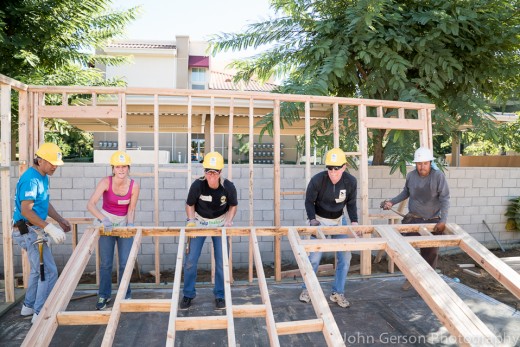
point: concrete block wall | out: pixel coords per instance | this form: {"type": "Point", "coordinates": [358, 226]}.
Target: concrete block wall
{"type": "Point", "coordinates": [477, 194]}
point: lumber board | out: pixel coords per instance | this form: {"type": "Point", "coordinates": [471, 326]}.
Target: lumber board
{"type": "Point", "coordinates": [75, 112]}
{"type": "Point", "coordinates": [503, 273]}
{"type": "Point", "coordinates": [454, 314]}
{"type": "Point", "coordinates": [227, 291]}
{"type": "Point", "coordinates": [300, 327]}
{"type": "Point", "coordinates": [45, 326]}
{"type": "Point", "coordinates": [319, 303]}
{"type": "Point", "coordinates": [176, 292]}
{"type": "Point", "coordinates": [338, 245]}
{"type": "Point", "coordinates": [472, 273]}
{"type": "Point", "coordinates": [201, 323]}
{"type": "Point", "coordinates": [264, 292]}
{"type": "Point", "coordinates": [83, 317]}
{"type": "Point", "coordinates": [110, 331]}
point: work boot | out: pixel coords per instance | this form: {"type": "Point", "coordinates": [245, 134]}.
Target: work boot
{"type": "Point", "coordinates": [220, 303]}
{"type": "Point", "coordinates": [339, 299]}
{"type": "Point", "coordinates": [102, 303]}
{"type": "Point", "coordinates": [406, 285]}
{"type": "Point", "coordinates": [185, 303]}
{"type": "Point", "coordinates": [304, 296]}
{"type": "Point", "coordinates": [26, 311]}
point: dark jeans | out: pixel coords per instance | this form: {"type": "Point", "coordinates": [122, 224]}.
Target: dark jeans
{"type": "Point", "coordinates": [430, 254]}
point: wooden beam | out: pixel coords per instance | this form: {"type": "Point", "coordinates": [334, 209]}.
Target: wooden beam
{"type": "Point", "coordinates": [75, 112]}
{"type": "Point", "coordinates": [319, 303]}
{"type": "Point", "coordinates": [176, 292]}
{"type": "Point", "coordinates": [113, 322]}
{"type": "Point", "coordinates": [394, 123]}
{"type": "Point", "coordinates": [43, 329]}
{"type": "Point", "coordinates": [13, 83]}
{"type": "Point", "coordinates": [5, 162]}
{"type": "Point", "coordinates": [340, 245]}
{"type": "Point", "coordinates": [227, 291]}
{"type": "Point", "coordinates": [453, 313]}
{"type": "Point", "coordinates": [201, 323]}
{"type": "Point", "coordinates": [264, 293]}
{"type": "Point", "coordinates": [300, 327]}
{"type": "Point", "coordinates": [83, 317]}
{"type": "Point", "coordinates": [503, 273]}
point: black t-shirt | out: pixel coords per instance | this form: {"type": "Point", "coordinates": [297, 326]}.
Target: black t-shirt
{"type": "Point", "coordinates": [212, 203]}
{"type": "Point", "coordinates": [327, 200]}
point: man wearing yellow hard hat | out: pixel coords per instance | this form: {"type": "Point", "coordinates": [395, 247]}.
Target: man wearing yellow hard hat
{"type": "Point", "coordinates": [32, 232]}
{"type": "Point", "coordinates": [212, 202]}
{"type": "Point", "coordinates": [120, 194]}
{"type": "Point", "coordinates": [327, 195]}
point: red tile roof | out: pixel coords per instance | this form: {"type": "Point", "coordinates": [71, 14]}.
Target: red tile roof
{"type": "Point", "coordinates": [222, 81]}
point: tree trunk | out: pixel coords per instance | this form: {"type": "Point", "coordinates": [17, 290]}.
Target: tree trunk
{"type": "Point", "coordinates": [379, 156]}
{"type": "Point", "coordinates": [455, 149]}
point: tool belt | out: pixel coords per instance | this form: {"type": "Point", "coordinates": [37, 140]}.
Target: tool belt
{"type": "Point", "coordinates": [22, 226]}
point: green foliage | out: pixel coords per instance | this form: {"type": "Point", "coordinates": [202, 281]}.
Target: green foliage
{"type": "Point", "coordinates": [243, 147]}
{"type": "Point", "coordinates": [53, 42]}
{"type": "Point", "coordinates": [513, 214]}
{"type": "Point", "coordinates": [506, 138]}
{"type": "Point", "coordinates": [455, 54]}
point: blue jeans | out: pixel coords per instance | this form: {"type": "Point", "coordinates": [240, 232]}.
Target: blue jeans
{"type": "Point", "coordinates": [340, 277]}
{"type": "Point", "coordinates": [190, 267]}
{"type": "Point", "coordinates": [37, 290]}
{"type": "Point", "coordinates": [106, 254]}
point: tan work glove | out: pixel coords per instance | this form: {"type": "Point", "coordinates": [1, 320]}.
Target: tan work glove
{"type": "Point", "coordinates": [57, 235]}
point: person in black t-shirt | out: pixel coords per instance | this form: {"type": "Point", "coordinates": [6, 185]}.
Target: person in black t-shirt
{"type": "Point", "coordinates": [327, 195]}
{"type": "Point", "coordinates": [212, 202]}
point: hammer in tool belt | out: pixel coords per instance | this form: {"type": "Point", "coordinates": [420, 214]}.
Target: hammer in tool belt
{"type": "Point", "coordinates": [40, 241]}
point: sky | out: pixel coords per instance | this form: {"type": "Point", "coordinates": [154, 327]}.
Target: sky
{"type": "Point", "coordinates": [164, 19]}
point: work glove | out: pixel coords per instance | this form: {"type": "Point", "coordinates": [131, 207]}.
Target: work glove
{"type": "Point", "coordinates": [191, 224]}
{"type": "Point", "coordinates": [314, 223]}
{"type": "Point", "coordinates": [386, 205]}
{"type": "Point", "coordinates": [107, 225]}
{"type": "Point", "coordinates": [57, 235]}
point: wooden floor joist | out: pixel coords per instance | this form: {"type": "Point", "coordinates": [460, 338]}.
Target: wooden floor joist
{"type": "Point", "coordinates": [453, 313]}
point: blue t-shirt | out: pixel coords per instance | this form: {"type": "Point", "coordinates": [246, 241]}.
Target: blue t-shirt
{"type": "Point", "coordinates": [32, 186]}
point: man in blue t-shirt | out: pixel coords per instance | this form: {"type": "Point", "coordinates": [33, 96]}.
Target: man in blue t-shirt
{"type": "Point", "coordinates": [30, 229]}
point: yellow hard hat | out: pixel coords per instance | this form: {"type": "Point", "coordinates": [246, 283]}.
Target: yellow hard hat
{"type": "Point", "coordinates": [214, 161]}
{"type": "Point", "coordinates": [50, 152]}
{"type": "Point", "coordinates": [335, 157]}
{"type": "Point", "coordinates": [120, 158]}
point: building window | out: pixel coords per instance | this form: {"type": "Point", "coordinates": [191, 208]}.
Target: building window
{"type": "Point", "coordinates": [198, 78]}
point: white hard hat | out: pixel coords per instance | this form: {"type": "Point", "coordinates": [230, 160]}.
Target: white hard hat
{"type": "Point", "coordinates": [423, 154]}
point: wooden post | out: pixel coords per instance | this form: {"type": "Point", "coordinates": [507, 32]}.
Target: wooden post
{"type": "Point", "coordinates": [157, 252]}
{"type": "Point", "coordinates": [277, 223]}
{"type": "Point", "coordinates": [335, 122]}
{"type": "Point", "coordinates": [230, 175]}
{"type": "Point", "coordinates": [251, 186]}
{"type": "Point", "coordinates": [5, 161]}
{"type": "Point", "coordinates": [366, 256]}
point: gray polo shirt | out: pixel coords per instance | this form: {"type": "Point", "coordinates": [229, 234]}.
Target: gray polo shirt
{"type": "Point", "coordinates": [429, 196]}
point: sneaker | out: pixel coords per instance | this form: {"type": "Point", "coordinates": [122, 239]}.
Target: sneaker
{"type": "Point", "coordinates": [339, 299]}
{"type": "Point", "coordinates": [406, 285]}
{"type": "Point", "coordinates": [185, 303]}
{"type": "Point", "coordinates": [102, 303]}
{"type": "Point", "coordinates": [304, 296]}
{"type": "Point", "coordinates": [26, 311]}
{"type": "Point", "coordinates": [34, 318]}
{"type": "Point", "coordinates": [220, 304]}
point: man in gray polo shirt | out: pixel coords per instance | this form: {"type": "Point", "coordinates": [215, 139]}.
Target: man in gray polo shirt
{"type": "Point", "coordinates": [429, 201]}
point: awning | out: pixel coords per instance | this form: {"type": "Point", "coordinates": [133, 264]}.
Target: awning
{"type": "Point", "coordinates": [198, 61]}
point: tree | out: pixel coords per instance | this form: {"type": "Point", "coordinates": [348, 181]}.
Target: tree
{"type": "Point", "coordinates": [456, 54]}
{"type": "Point", "coordinates": [52, 42]}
